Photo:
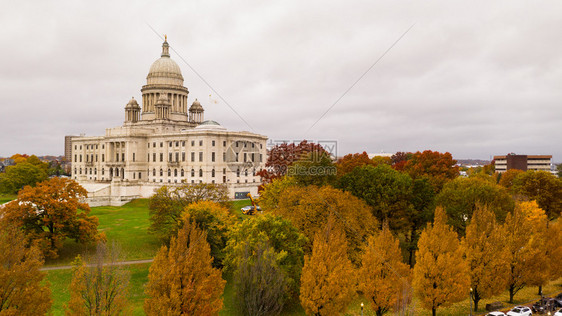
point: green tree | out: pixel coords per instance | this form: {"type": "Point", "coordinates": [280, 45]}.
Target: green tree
{"type": "Point", "coordinates": [23, 289]}
{"type": "Point", "coordinates": [99, 284]}
{"type": "Point", "coordinates": [484, 250]}
{"type": "Point", "coordinates": [383, 276]}
{"type": "Point", "coordinates": [423, 197]}
{"type": "Point", "coordinates": [327, 282]}
{"type": "Point", "coordinates": [279, 234]}
{"type": "Point", "coordinates": [20, 175]}
{"type": "Point", "coordinates": [51, 212]}
{"type": "Point", "coordinates": [441, 274]}
{"type": "Point", "coordinates": [542, 187]}
{"type": "Point", "coordinates": [181, 280]}
{"type": "Point", "coordinates": [313, 169]}
{"type": "Point", "coordinates": [461, 196]}
{"type": "Point", "coordinates": [387, 191]}
{"type": "Point", "coordinates": [167, 205]}
{"type": "Point", "coordinates": [259, 281]}
{"type": "Point", "coordinates": [271, 192]}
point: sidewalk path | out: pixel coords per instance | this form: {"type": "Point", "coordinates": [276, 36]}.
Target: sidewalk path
{"type": "Point", "coordinates": [122, 263]}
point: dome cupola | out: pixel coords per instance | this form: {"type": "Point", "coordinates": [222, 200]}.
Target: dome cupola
{"type": "Point", "coordinates": [165, 70]}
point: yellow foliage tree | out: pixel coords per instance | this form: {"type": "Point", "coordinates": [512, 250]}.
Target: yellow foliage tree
{"type": "Point", "coordinates": [383, 276]}
{"type": "Point", "coordinates": [99, 285]}
{"type": "Point", "coordinates": [308, 209]}
{"type": "Point", "coordinates": [520, 229]}
{"type": "Point", "coordinates": [486, 255]}
{"type": "Point", "coordinates": [539, 269]}
{"type": "Point", "coordinates": [181, 280]}
{"type": "Point", "coordinates": [23, 290]}
{"type": "Point", "coordinates": [327, 280]}
{"type": "Point", "coordinates": [554, 244]}
{"type": "Point", "coordinates": [441, 274]}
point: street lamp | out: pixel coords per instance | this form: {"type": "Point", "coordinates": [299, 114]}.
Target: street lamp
{"type": "Point", "coordinates": [470, 300]}
{"type": "Point", "coordinates": [361, 308]}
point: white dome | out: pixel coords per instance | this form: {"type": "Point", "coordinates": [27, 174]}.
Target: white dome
{"type": "Point", "coordinates": [165, 70]}
{"type": "Point", "coordinates": [210, 125]}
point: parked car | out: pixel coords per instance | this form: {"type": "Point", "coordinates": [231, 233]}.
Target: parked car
{"type": "Point", "coordinates": [546, 304]}
{"type": "Point", "coordinates": [520, 311]}
{"type": "Point", "coordinates": [495, 314]}
{"type": "Point", "coordinates": [558, 313]}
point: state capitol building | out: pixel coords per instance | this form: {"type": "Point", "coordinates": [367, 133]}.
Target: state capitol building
{"type": "Point", "coordinates": [166, 142]}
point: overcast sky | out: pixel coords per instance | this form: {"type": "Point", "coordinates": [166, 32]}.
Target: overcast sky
{"type": "Point", "coordinates": [472, 78]}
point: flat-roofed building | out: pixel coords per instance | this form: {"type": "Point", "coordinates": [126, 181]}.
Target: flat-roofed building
{"type": "Point", "coordinates": [522, 162]}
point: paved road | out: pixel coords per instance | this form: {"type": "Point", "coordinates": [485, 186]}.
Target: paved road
{"type": "Point", "coordinates": [122, 263]}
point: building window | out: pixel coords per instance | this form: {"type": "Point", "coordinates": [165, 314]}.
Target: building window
{"type": "Point", "coordinates": [75, 147]}
{"type": "Point", "coordinates": [224, 143]}
{"type": "Point", "coordinates": [213, 143]}
{"type": "Point", "coordinates": [200, 172]}
{"type": "Point", "coordinates": [192, 143]}
{"type": "Point", "coordinates": [213, 173]}
{"type": "Point", "coordinates": [153, 157]}
{"type": "Point", "coordinates": [200, 143]}
{"type": "Point", "coordinates": [192, 173]}
{"type": "Point", "coordinates": [213, 156]}
{"type": "Point", "coordinates": [170, 157]}
{"type": "Point", "coordinates": [133, 157]}
{"type": "Point", "coordinates": [148, 157]}
{"type": "Point", "coordinates": [102, 146]}
{"type": "Point", "coordinates": [177, 156]}
{"type": "Point", "coordinates": [238, 172]}
{"type": "Point", "coordinates": [75, 158]}
{"type": "Point", "coordinates": [161, 172]}
{"type": "Point", "coordinates": [253, 158]}
{"type": "Point", "coordinates": [246, 172]}
{"type": "Point", "coordinates": [200, 156]}
{"type": "Point", "coordinates": [169, 172]}
{"type": "Point", "coordinates": [182, 174]}
{"type": "Point", "coordinates": [183, 143]}
{"type": "Point", "coordinates": [223, 170]}
{"type": "Point", "coordinates": [102, 171]}
{"type": "Point", "coordinates": [245, 157]}
{"type": "Point", "coordinates": [236, 157]}
{"type": "Point", "coordinates": [183, 156]}
{"type": "Point", "coordinates": [154, 172]}
{"type": "Point", "coordinates": [96, 158]}
{"type": "Point", "coordinates": [224, 156]}
{"type": "Point", "coordinates": [192, 156]}
{"type": "Point", "coordinates": [175, 172]}
{"type": "Point", "coordinates": [134, 175]}
{"type": "Point", "coordinates": [123, 157]}
{"type": "Point", "coordinates": [161, 144]}
{"type": "Point", "coordinates": [139, 175]}
{"type": "Point", "coordinates": [161, 157]}
{"type": "Point", "coordinates": [80, 158]}
{"type": "Point", "coordinates": [177, 143]}
{"type": "Point", "coordinates": [154, 145]}
{"type": "Point", "coordinates": [102, 158]}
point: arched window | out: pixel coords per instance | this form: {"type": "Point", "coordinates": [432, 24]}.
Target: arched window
{"type": "Point", "coordinates": [116, 172]}
{"type": "Point", "coordinates": [213, 173]}
{"type": "Point", "coordinates": [238, 172]}
{"type": "Point", "coordinates": [200, 172]}
{"type": "Point", "coordinates": [175, 172]}
{"type": "Point", "coordinates": [192, 173]}
{"type": "Point", "coordinates": [182, 174]}
{"type": "Point", "coordinates": [161, 172]}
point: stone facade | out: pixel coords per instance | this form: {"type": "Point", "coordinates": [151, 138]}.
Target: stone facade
{"type": "Point", "coordinates": [165, 143]}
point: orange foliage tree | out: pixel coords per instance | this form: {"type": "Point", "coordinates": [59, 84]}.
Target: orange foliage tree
{"type": "Point", "coordinates": [351, 161]}
{"type": "Point", "coordinates": [486, 256]}
{"type": "Point", "coordinates": [327, 281]}
{"type": "Point", "coordinates": [439, 167]}
{"type": "Point", "coordinates": [383, 276]}
{"type": "Point", "coordinates": [51, 212]}
{"type": "Point", "coordinates": [23, 290]}
{"type": "Point", "coordinates": [441, 274]}
{"type": "Point", "coordinates": [181, 280]}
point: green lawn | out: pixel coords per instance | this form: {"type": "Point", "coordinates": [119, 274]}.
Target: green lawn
{"type": "Point", "coordinates": [60, 281]}
{"type": "Point", "coordinates": [127, 226]}
{"type": "Point", "coordinates": [7, 198]}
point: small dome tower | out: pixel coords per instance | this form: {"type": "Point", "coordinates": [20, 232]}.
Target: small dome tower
{"type": "Point", "coordinates": [196, 112]}
{"type": "Point", "coordinates": [132, 111]}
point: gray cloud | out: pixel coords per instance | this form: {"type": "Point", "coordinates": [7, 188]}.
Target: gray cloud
{"type": "Point", "coordinates": [475, 78]}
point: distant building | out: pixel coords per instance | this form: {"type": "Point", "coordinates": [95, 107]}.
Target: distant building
{"type": "Point", "coordinates": [523, 162]}
{"type": "Point", "coordinates": [68, 148]}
